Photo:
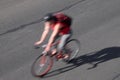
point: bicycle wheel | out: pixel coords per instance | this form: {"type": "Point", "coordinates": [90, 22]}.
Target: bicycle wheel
{"type": "Point", "coordinates": [41, 66]}
{"type": "Point", "coordinates": [72, 48]}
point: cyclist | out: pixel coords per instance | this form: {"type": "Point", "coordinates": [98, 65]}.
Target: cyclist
{"type": "Point", "coordinates": [60, 24]}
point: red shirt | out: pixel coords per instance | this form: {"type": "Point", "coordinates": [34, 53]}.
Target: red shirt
{"type": "Point", "coordinates": [64, 30]}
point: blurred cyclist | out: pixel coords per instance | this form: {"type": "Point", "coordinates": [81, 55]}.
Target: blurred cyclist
{"type": "Point", "coordinates": [60, 24]}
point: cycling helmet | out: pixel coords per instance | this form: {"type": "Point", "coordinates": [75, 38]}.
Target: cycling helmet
{"type": "Point", "coordinates": [50, 17]}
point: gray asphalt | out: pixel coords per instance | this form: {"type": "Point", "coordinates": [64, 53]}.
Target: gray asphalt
{"type": "Point", "coordinates": [96, 24]}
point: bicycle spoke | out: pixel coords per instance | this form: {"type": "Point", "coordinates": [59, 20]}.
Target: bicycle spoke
{"type": "Point", "coordinates": [41, 66]}
{"type": "Point", "coordinates": [72, 48]}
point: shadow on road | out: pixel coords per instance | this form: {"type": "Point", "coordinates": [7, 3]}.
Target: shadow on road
{"type": "Point", "coordinates": [93, 58]}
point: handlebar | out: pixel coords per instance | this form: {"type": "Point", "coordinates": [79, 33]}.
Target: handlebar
{"type": "Point", "coordinates": [37, 47]}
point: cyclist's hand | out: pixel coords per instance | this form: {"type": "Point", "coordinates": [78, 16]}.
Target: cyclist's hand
{"type": "Point", "coordinates": [37, 43]}
{"type": "Point", "coordinates": [47, 48]}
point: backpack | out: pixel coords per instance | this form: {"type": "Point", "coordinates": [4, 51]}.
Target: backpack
{"type": "Point", "coordinates": [63, 18]}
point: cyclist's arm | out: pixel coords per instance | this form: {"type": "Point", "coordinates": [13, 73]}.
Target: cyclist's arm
{"type": "Point", "coordinates": [45, 32]}
{"type": "Point", "coordinates": [54, 33]}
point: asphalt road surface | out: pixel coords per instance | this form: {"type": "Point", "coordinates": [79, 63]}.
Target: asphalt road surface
{"type": "Point", "coordinates": [96, 24]}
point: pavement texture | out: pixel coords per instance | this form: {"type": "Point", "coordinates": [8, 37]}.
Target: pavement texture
{"type": "Point", "coordinates": [96, 24]}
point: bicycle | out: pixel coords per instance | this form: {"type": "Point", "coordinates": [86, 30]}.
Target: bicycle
{"type": "Point", "coordinates": [43, 63]}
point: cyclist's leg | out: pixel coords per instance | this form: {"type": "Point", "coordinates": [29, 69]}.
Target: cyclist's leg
{"type": "Point", "coordinates": [63, 40]}
{"type": "Point", "coordinates": [60, 46]}
{"type": "Point", "coordinates": [54, 51]}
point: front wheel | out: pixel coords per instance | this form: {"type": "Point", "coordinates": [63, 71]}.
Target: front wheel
{"type": "Point", "coordinates": [72, 48]}
{"type": "Point", "coordinates": [41, 65]}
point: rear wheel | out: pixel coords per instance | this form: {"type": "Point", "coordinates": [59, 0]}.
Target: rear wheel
{"type": "Point", "coordinates": [41, 66]}
{"type": "Point", "coordinates": [72, 48]}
